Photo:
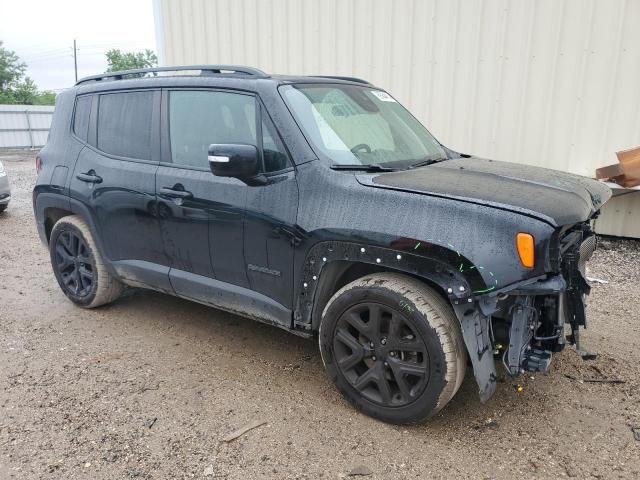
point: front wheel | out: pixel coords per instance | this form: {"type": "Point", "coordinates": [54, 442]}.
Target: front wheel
{"type": "Point", "coordinates": [78, 265]}
{"type": "Point", "coordinates": [393, 347]}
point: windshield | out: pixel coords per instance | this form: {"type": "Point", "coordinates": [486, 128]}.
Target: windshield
{"type": "Point", "coordinates": [354, 125]}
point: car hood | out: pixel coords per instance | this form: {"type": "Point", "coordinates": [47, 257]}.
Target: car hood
{"type": "Point", "coordinates": [558, 198]}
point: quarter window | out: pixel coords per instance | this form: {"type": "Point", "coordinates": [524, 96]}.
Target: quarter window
{"type": "Point", "coordinates": [198, 119]}
{"type": "Point", "coordinates": [81, 117]}
{"type": "Point", "coordinates": [275, 156]}
{"type": "Point", "coordinates": [124, 124]}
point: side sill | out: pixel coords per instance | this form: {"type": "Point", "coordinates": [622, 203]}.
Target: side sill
{"type": "Point", "coordinates": [231, 298]}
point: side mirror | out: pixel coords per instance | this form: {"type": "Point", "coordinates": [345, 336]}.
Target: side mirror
{"type": "Point", "coordinates": [233, 160]}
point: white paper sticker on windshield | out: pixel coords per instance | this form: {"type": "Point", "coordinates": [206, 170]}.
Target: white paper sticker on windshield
{"type": "Point", "coordinates": [383, 96]}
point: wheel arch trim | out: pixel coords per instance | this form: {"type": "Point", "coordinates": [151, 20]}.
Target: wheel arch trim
{"type": "Point", "coordinates": [464, 288]}
{"type": "Point", "coordinates": [327, 261]}
{"type": "Point", "coordinates": [45, 200]}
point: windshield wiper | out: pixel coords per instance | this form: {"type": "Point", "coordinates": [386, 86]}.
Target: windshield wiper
{"type": "Point", "coordinates": [372, 167]}
{"type": "Point", "coordinates": [429, 161]}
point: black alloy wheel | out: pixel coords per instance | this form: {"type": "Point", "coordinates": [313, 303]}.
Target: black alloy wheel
{"type": "Point", "coordinates": [393, 346]}
{"type": "Point", "coordinates": [380, 354]}
{"type": "Point", "coordinates": [78, 265]}
{"type": "Point", "coordinates": [75, 264]}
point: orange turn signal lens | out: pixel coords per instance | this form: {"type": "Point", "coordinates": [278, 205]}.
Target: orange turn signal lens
{"type": "Point", "coordinates": [526, 251]}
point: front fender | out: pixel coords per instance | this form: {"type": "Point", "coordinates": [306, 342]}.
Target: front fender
{"type": "Point", "coordinates": [327, 260]}
{"type": "Point", "coordinates": [448, 270]}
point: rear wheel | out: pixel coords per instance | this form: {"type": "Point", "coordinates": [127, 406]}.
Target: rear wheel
{"type": "Point", "coordinates": [78, 265]}
{"type": "Point", "coordinates": [393, 346]}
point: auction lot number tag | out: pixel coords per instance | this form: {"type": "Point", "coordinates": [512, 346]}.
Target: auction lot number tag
{"type": "Point", "coordinates": [383, 96]}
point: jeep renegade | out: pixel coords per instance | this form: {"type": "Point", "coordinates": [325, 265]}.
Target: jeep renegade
{"type": "Point", "coordinates": [322, 206]}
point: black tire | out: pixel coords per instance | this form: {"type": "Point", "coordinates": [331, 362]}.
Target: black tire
{"type": "Point", "coordinates": [390, 329]}
{"type": "Point", "coordinates": [78, 266]}
{"type": "Point", "coordinates": [3, 207]}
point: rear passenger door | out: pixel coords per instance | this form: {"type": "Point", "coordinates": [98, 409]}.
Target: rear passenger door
{"type": "Point", "coordinates": [114, 182]}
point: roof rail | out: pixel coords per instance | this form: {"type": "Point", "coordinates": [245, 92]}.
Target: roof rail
{"type": "Point", "coordinates": [348, 79]}
{"type": "Point", "coordinates": [204, 70]}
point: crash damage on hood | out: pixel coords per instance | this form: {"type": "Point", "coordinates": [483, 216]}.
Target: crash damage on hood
{"type": "Point", "coordinates": [555, 197]}
{"type": "Point", "coordinates": [520, 325]}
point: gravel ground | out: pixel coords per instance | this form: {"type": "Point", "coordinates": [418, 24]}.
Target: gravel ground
{"type": "Point", "coordinates": [148, 386]}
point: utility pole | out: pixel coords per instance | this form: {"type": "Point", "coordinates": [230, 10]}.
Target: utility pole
{"type": "Point", "coordinates": [75, 59]}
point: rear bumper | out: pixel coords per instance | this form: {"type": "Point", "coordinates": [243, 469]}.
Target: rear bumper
{"type": "Point", "coordinates": [38, 212]}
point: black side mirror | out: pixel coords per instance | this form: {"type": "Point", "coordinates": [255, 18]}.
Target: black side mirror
{"type": "Point", "coordinates": [234, 160]}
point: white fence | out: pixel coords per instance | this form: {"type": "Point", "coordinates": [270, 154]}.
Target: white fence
{"type": "Point", "coordinates": [24, 126]}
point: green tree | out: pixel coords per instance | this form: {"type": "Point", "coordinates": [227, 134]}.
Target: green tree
{"type": "Point", "coordinates": [11, 68]}
{"type": "Point", "coordinates": [118, 60]}
{"type": "Point", "coordinates": [46, 97]}
{"type": "Point", "coordinates": [15, 88]}
{"type": "Point", "coordinates": [6, 97]}
{"type": "Point", "coordinates": [25, 92]}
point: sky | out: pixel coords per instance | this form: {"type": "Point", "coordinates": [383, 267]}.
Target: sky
{"type": "Point", "coordinates": [41, 32]}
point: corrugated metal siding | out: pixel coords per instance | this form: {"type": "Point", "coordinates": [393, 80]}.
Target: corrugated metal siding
{"type": "Point", "coordinates": [546, 82]}
{"type": "Point", "coordinates": [543, 82]}
{"type": "Point", "coordinates": [24, 125]}
{"type": "Point", "coordinates": [619, 216]}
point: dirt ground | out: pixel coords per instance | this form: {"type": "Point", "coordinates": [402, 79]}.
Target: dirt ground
{"type": "Point", "coordinates": [147, 388]}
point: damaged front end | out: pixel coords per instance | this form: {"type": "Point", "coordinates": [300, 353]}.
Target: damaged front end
{"type": "Point", "coordinates": [523, 325]}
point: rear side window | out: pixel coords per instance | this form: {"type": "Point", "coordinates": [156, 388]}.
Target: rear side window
{"type": "Point", "coordinates": [198, 119]}
{"type": "Point", "coordinates": [81, 117]}
{"type": "Point", "coordinates": [124, 124]}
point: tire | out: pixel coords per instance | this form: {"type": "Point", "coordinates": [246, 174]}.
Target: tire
{"type": "Point", "coordinates": [78, 266]}
{"type": "Point", "coordinates": [3, 207]}
{"type": "Point", "coordinates": [390, 329]}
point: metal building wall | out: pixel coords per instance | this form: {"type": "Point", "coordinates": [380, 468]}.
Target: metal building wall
{"type": "Point", "coordinates": [24, 126]}
{"type": "Point", "coordinates": [552, 83]}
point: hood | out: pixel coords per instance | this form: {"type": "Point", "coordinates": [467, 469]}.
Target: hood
{"type": "Point", "coordinates": [558, 198]}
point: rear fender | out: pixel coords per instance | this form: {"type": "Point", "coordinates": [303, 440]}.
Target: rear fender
{"type": "Point", "coordinates": [45, 200]}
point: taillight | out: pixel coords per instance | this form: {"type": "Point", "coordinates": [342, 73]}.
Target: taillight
{"type": "Point", "coordinates": [38, 164]}
{"type": "Point", "coordinates": [526, 249]}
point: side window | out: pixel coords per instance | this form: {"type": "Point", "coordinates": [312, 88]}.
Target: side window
{"type": "Point", "coordinates": [81, 117]}
{"type": "Point", "coordinates": [275, 156]}
{"type": "Point", "coordinates": [124, 124]}
{"type": "Point", "coordinates": [198, 119]}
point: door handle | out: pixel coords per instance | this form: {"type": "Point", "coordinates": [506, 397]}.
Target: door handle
{"type": "Point", "coordinates": [173, 193]}
{"type": "Point", "coordinates": [89, 177]}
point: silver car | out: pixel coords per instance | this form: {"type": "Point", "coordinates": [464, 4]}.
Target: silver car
{"type": "Point", "coordinates": [5, 189]}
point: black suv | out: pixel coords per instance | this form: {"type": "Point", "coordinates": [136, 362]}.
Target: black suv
{"type": "Point", "coordinates": [322, 206]}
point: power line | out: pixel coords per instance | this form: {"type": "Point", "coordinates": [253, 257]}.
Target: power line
{"type": "Point", "coordinates": [46, 52]}
{"type": "Point", "coordinates": [83, 50]}
{"type": "Point", "coordinates": [52, 54]}
{"type": "Point", "coordinates": [50, 57]}
{"type": "Point", "coordinates": [111, 45]}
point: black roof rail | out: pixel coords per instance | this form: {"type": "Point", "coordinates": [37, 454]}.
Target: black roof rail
{"type": "Point", "coordinates": [204, 70]}
{"type": "Point", "coordinates": [348, 79]}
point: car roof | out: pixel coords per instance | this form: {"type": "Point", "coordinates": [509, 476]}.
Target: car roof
{"type": "Point", "coordinates": [204, 75]}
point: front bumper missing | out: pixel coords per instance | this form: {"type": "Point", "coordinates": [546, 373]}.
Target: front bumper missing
{"type": "Point", "coordinates": [538, 313]}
